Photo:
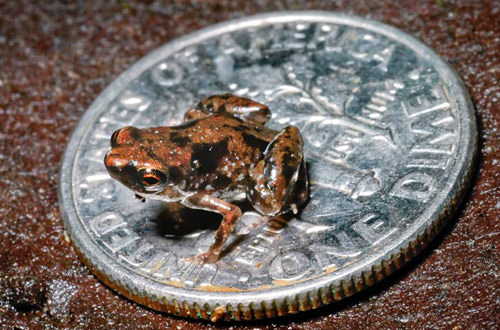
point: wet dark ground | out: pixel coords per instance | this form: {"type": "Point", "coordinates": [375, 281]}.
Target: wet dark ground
{"type": "Point", "coordinates": [57, 56]}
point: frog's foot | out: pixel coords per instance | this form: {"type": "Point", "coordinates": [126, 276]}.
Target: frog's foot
{"type": "Point", "coordinates": [203, 258]}
{"type": "Point", "coordinates": [230, 215]}
{"type": "Point", "coordinates": [233, 105]}
{"type": "Point", "coordinates": [275, 186]}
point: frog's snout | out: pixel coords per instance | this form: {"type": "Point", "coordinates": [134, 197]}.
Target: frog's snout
{"type": "Point", "coordinates": [113, 162]}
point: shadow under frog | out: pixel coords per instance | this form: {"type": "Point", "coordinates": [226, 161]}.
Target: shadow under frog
{"type": "Point", "coordinates": [183, 224]}
{"type": "Point", "coordinates": [221, 154]}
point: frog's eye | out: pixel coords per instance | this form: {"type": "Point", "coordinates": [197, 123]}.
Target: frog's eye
{"type": "Point", "coordinates": [152, 179]}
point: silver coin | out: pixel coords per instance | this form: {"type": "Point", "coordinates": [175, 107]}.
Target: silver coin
{"type": "Point", "coordinates": [390, 137]}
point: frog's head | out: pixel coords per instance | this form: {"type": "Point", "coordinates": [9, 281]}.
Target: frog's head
{"type": "Point", "coordinates": [131, 162]}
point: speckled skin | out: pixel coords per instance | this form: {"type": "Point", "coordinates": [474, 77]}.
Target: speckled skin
{"type": "Point", "coordinates": [221, 153]}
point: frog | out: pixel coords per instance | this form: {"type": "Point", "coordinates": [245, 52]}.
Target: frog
{"type": "Point", "coordinates": [220, 154]}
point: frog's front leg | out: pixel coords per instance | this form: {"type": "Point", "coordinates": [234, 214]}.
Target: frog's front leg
{"type": "Point", "coordinates": [275, 178]}
{"type": "Point", "coordinates": [230, 215]}
{"type": "Point", "coordinates": [236, 106]}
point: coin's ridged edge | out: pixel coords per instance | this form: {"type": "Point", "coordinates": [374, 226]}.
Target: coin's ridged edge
{"type": "Point", "coordinates": [291, 305]}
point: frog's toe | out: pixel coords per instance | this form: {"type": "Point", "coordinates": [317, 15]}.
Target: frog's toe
{"type": "Point", "coordinates": [202, 258]}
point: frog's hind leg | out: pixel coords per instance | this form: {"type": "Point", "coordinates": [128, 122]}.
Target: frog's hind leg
{"type": "Point", "coordinates": [279, 179]}
{"type": "Point", "coordinates": [300, 194]}
{"type": "Point", "coordinates": [230, 216]}
{"type": "Point", "coordinates": [236, 106]}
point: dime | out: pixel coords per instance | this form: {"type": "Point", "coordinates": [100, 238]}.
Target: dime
{"type": "Point", "coordinates": [390, 138]}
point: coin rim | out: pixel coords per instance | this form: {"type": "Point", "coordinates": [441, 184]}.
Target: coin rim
{"type": "Point", "coordinates": [303, 295]}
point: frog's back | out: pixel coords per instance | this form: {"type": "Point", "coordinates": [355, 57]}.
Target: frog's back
{"type": "Point", "coordinates": [241, 137]}
{"type": "Point", "coordinates": [215, 127]}
{"type": "Point", "coordinates": [219, 150]}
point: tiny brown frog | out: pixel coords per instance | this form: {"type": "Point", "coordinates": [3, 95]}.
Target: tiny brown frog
{"type": "Point", "coordinates": [221, 153]}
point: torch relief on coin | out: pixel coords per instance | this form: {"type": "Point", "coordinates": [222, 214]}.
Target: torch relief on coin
{"type": "Point", "coordinates": [389, 139]}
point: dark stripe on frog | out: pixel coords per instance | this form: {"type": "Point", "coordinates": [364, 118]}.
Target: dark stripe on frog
{"type": "Point", "coordinates": [287, 170]}
{"type": "Point", "coordinates": [153, 156]}
{"type": "Point", "coordinates": [221, 182]}
{"type": "Point", "coordinates": [175, 174]}
{"type": "Point", "coordinates": [131, 175]}
{"type": "Point", "coordinates": [235, 127]}
{"type": "Point", "coordinates": [255, 142]}
{"type": "Point", "coordinates": [208, 155]}
{"type": "Point", "coordinates": [178, 139]}
{"type": "Point", "coordinates": [134, 133]}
